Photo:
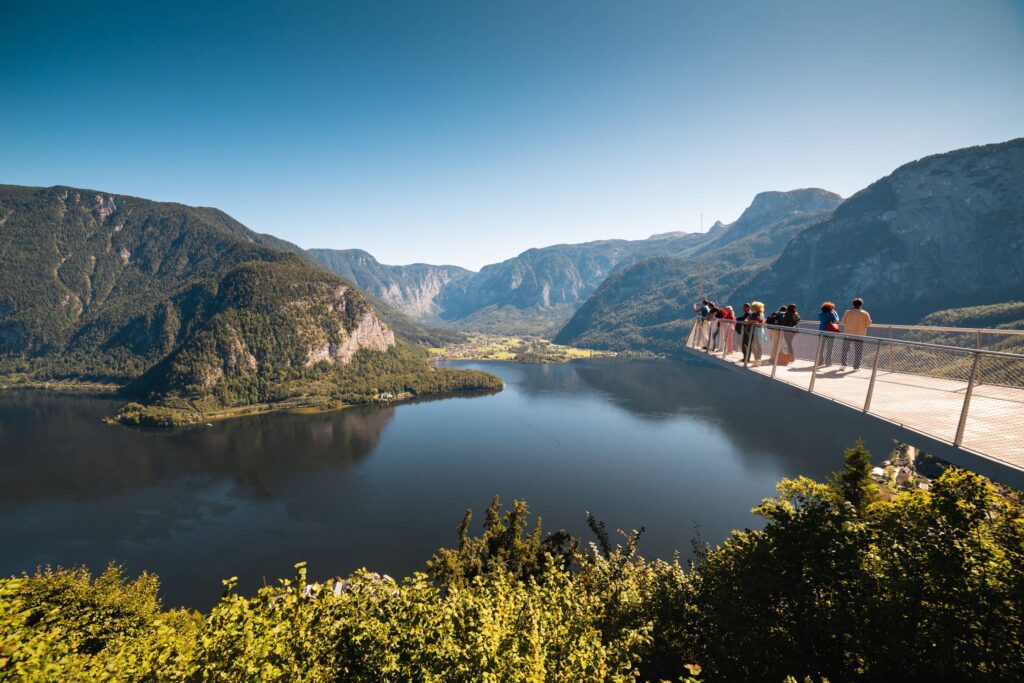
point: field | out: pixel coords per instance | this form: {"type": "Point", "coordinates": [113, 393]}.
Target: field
{"type": "Point", "coordinates": [516, 349]}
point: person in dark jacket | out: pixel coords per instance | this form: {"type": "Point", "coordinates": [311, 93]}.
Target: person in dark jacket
{"type": "Point", "coordinates": [777, 316]}
{"type": "Point", "coordinates": [791, 319]}
{"type": "Point", "coordinates": [743, 329]}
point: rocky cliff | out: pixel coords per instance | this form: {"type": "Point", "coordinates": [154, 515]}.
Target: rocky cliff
{"type": "Point", "coordinates": [413, 289]}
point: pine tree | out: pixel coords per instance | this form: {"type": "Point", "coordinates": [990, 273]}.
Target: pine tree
{"type": "Point", "coordinates": [854, 482]}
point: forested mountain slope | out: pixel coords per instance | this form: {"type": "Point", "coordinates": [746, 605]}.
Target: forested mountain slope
{"type": "Point", "coordinates": [648, 305]}
{"type": "Point", "coordinates": [184, 303]}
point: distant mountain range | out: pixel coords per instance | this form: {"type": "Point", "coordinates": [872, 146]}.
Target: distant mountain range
{"type": "Point", "coordinates": [185, 301]}
{"type": "Point", "coordinates": [539, 290]}
{"type": "Point", "coordinates": [533, 293]}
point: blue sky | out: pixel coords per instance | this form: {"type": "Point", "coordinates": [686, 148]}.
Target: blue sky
{"type": "Point", "coordinates": [466, 132]}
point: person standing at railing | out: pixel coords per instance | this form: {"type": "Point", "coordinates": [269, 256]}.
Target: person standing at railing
{"type": "Point", "coordinates": [774, 321]}
{"type": "Point", "coordinates": [728, 318]}
{"type": "Point", "coordinates": [743, 329]}
{"type": "Point", "coordinates": [791, 320]}
{"type": "Point", "coordinates": [714, 314]}
{"type": "Point", "coordinates": [828, 322]}
{"type": "Point", "coordinates": [856, 321]}
{"type": "Point", "coordinates": [757, 337]}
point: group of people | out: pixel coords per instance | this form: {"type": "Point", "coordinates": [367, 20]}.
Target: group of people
{"type": "Point", "coordinates": [751, 328]}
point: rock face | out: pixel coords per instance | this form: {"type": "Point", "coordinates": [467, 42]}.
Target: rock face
{"type": "Point", "coordinates": [268, 317]}
{"type": "Point", "coordinates": [942, 232]}
{"type": "Point", "coordinates": [413, 289]}
{"type": "Point", "coordinates": [370, 332]}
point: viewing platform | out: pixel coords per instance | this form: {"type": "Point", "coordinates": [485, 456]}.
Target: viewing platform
{"type": "Point", "coordinates": [964, 403]}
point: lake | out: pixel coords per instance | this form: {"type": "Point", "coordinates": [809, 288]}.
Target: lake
{"type": "Point", "coordinates": [682, 448]}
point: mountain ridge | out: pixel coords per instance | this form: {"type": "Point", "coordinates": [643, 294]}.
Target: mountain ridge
{"type": "Point", "coordinates": [188, 308]}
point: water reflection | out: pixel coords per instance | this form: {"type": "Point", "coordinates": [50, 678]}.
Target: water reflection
{"type": "Point", "coordinates": [82, 459]}
{"type": "Point", "coordinates": [667, 445]}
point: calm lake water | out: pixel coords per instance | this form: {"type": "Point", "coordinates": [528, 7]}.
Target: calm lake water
{"type": "Point", "coordinates": [672, 446]}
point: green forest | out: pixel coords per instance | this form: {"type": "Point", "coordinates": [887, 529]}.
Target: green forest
{"type": "Point", "coordinates": [838, 585]}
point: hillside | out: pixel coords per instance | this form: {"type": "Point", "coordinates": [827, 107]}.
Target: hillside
{"type": "Point", "coordinates": [916, 241]}
{"type": "Point", "coordinates": [649, 305]}
{"type": "Point", "coordinates": [1005, 316]}
{"type": "Point", "coordinates": [185, 304]}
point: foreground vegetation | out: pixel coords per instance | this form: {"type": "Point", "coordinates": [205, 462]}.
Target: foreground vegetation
{"type": "Point", "coordinates": [838, 584]}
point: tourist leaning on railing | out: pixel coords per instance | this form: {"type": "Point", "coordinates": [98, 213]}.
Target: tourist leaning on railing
{"type": "Point", "coordinates": [729, 318]}
{"type": "Point", "coordinates": [743, 330]}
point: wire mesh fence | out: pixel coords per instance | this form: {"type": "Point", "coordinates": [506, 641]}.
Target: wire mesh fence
{"type": "Point", "coordinates": [1007, 341]}
{"type": "Point", "coordinates": [970, 397]}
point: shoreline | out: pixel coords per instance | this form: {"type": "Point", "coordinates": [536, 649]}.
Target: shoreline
{"type": "Point", "coordinates": [135, 414]}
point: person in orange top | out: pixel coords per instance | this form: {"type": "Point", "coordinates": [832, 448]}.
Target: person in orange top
{"type": "Point", "coordinates": [856, 321]}
{"type": "Point", "coordinates": [728, 314]}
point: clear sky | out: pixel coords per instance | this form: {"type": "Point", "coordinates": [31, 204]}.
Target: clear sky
{"type": "Point", "coordinates": [466, 132]}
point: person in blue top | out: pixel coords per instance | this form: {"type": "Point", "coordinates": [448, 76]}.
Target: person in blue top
{"type": "Point", "coordinates": [828, 322]}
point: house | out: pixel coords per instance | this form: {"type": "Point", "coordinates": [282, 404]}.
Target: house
{"type": "Point", "coordinates": [878, 473]}
{"type": "Point", "coordinates": [903, 475]}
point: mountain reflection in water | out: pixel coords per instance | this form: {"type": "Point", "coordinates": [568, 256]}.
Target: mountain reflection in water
{"type": "Point", "coordinates": [672, 446]}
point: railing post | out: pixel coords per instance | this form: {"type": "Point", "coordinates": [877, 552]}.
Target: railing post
{"type": "Point", "coordinates": [711, 325]}
{"type": "Point", "coordinates": [874, 373]}
{"type": "Point", "coordinates": [890, 351]}
{"type": "Point", "coordinates": [817, 361]}
{"type": "Point", "coordinates": [775, 352]}
{"type": "Point", "coordinates": [959, 438]}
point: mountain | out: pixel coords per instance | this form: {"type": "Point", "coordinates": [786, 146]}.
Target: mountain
{"type": "Point", "coordinates": [186, 306]}
{"type": "Point", "coordinates": [942, 232]}
{"type": "Point", "coordinates": [532, 293]}
{"type": "Point", "coordinates": [538, 290]}
{"type": "Point", "coordinates": [413, 289]}
{"type": "Point", "coordinates": [649, 305]}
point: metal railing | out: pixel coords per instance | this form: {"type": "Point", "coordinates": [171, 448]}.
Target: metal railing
{"type": "Point", "coordinates": [972, 398]}
{"type": "Point", "coordinates": [1010, 341]}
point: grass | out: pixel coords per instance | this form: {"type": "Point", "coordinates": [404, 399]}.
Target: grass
{"type": "Point", "coordinates": [516, 349]}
